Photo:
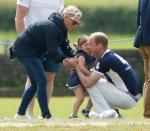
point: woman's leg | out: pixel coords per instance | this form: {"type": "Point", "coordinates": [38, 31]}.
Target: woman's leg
{"type": "Point", "coordinates": [35, 70]}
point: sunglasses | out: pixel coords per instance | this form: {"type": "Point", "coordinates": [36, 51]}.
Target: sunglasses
{"type": "Point", "coordinates": [74, 22]}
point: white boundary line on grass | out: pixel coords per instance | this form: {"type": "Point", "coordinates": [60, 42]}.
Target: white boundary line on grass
{"type": "Point", "coordinates": [9, 122]}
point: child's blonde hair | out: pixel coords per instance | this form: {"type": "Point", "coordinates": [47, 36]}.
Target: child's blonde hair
{"type": "Point", "coordinates": [80, 41]}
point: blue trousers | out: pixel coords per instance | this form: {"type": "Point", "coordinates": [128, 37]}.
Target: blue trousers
{"type": "Point", "coordinates": [35, 71]}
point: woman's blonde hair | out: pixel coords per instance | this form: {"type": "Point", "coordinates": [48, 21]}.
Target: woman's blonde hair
{"type": "Point", "coordinates": [71, 11]}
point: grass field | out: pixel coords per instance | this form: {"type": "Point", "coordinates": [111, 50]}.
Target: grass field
{"type": "Point", "coordinates": [60, 108]}
{"type": "Point", "coordinates": [87, 3]}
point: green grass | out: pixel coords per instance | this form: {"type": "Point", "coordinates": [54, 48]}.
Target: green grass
{"type": "Point", "coordinates": [87, 3]}
{"type": "Point", "coordinates": [61, 108]}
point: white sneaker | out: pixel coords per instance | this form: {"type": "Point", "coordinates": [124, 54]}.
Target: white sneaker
{"type": "Point", "coordinates": [93, 114]}
{"type": "Point", "coordinates": [21, 117]}
{"type": "Point", "coordinates": [109, 114]}
{"type": "Point", "coordinates": [31, 116]}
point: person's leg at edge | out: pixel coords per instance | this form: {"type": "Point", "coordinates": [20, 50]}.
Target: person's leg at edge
{"type": "Point", "coordinates": [146, 64]}
{"type": "Point", "coordinates": [146, 58]}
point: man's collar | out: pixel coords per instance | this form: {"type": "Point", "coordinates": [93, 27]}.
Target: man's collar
{"type": "Point", "coordinates": [106, 51]}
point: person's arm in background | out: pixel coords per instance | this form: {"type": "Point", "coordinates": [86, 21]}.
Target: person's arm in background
{"type": "Point", "coordinates": [62, 5]}
{"type": "Point", "coordinates": [21, 12]}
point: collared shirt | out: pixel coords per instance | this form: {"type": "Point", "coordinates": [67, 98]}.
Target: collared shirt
{"type": "Point", "coordinates": [118, 71]}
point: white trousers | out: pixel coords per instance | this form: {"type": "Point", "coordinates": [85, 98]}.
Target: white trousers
{"type": "Point", "coordinates": [105, 95]}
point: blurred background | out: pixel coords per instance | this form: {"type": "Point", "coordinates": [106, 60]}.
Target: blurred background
{"type": "Point", "coordinates": [117, 18]}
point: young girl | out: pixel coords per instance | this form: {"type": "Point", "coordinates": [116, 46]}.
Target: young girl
{"type": "Point", "coordinates": [85, 62]}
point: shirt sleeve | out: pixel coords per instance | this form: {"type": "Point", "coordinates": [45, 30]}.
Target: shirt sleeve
{"type": "Point", "coordinates": [138, 14]}
{"type": "Point", "coordinates": [66, 48]}
{"type": "Point", "coordinates": [25, 3]}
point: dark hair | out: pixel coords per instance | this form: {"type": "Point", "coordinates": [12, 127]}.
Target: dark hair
{"type": "Point", "coordinates": [81, 41]}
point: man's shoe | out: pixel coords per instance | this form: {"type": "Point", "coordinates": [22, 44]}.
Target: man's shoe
{"type": "Point", "coordinates": [119, 115]}
{"type": "Point", "coordinates": [21, 117]}
{"type": "Point", "coordinates": [111, 113]}
{"type": "Point", "coordinates": [93, 114]}
{"type": "Point", "coordinates": [85, 113]}
{"type": "Point", "coordinates": [30, 115]}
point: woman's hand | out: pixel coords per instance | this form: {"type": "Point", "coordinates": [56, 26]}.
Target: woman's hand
{"type": "Point", "coordinates": [70, 63]}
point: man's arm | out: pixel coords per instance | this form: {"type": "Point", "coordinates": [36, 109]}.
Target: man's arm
{"type": "Point", "coordinates": [21, 12]}
{"type": "Point", "coordinates": [87, 81]}
{"type": "Point", "coordinates": [81, 64]}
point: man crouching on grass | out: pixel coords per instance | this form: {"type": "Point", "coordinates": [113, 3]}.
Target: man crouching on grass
{"type": "Point", "coordinates": [113, 84]}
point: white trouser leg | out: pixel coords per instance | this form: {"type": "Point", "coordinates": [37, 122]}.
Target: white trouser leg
{"type": "Point", "coordinates": [105, 95]}
{"type": "Point", "coordinates": [99, 102]}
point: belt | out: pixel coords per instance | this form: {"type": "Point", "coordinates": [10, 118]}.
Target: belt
{"type": "Point", "coordinates": [136, 97]}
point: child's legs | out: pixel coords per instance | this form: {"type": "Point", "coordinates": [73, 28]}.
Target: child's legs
{"type": "Point", "coordinates": [79, 92]}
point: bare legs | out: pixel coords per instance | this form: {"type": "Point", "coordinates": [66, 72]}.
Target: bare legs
{"type": "Point", "coordinates": [79, 92]}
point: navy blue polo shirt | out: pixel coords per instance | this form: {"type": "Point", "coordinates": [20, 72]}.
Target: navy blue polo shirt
{"type": "Point", "coordinates": [119, 72]}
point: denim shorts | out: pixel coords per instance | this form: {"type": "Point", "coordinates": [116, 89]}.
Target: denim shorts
{"type": "Point", "coordinates": [51, 65]}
